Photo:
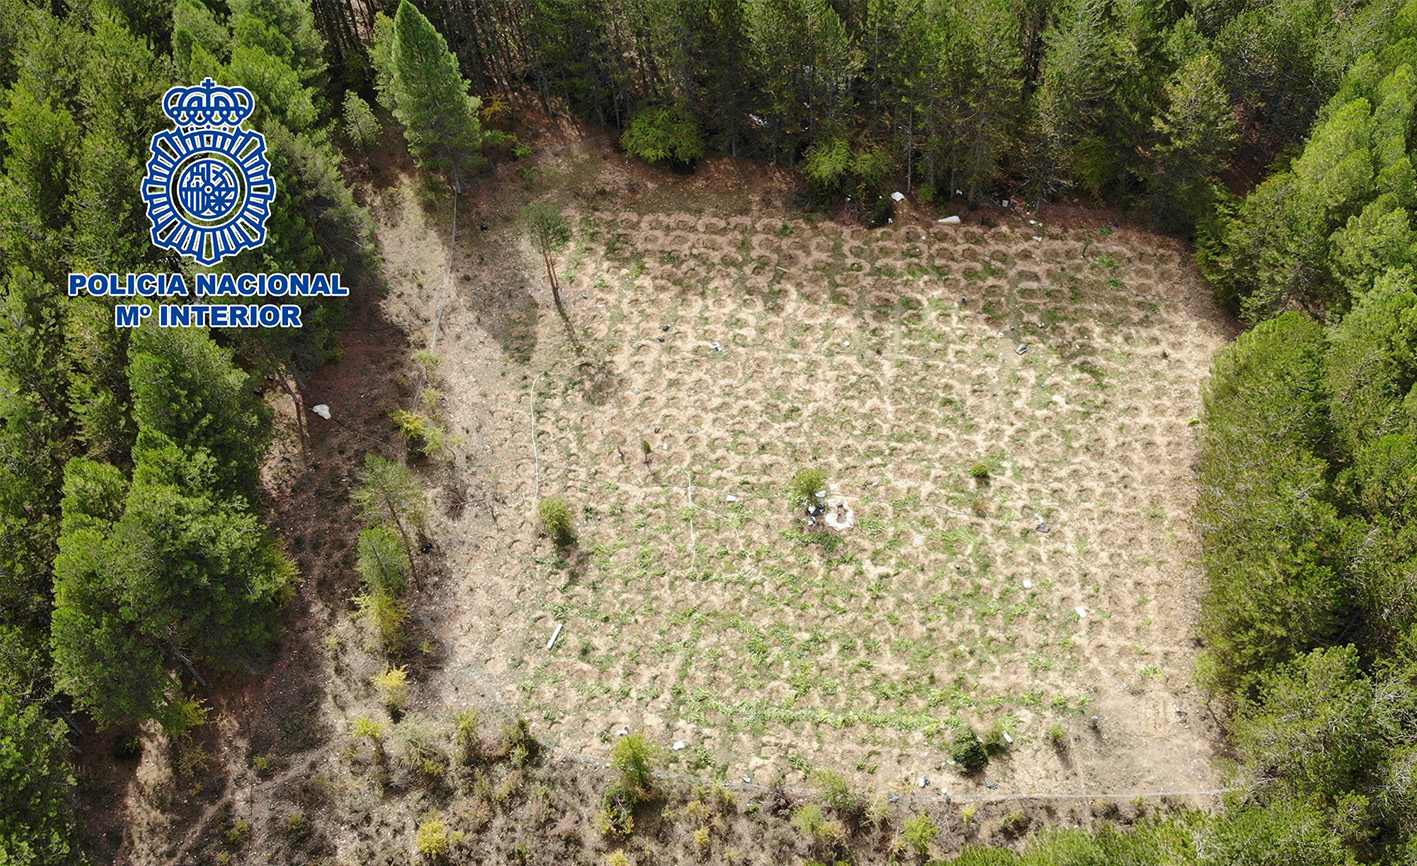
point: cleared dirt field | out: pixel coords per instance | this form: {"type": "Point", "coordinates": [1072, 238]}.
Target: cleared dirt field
{"type": "Point", "coordinates": [740, 342]}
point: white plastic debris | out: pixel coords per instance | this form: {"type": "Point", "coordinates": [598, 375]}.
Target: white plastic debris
{"type": "Point", "coordinates": [322, 410]}
{"type": "Point", "coordinates": [949, 219]}
{"type": "Point", "coordinates": [1008, 739]}
{"type": "Point", "coordinates": [732, 498]}
{"type": "Point", "coordinates": [623, 732]}
{"type": "Point", "coordinates": [1038, 238]}
{"type": "Point", "coordinates": [1081, 612]}
{"type": "Point", "coordinates": [716, 347]}
{"type": "Point", "coordinates": [924, 781]}
{"type": "Point", "coordinates": [555, 634]}
{"type": "Point", "coordinates": [678, 745]}
{"type": "Point", "coordinates": [898, 196]}
{"type": "Point", "coordinates": [1028, 584]}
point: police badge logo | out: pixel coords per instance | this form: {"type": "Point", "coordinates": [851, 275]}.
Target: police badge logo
{"type": "Point", "coordinates": [208, 188]}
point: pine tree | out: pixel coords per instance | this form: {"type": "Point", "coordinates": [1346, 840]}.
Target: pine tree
{"type": "Point", "coordinates": [428, 95]}
{"type": "Point", "coordinates": [36, 787]}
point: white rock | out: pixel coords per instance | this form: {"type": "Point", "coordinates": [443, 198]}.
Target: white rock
{"type": "Point", "coordinates": [898, 195]}
{"type": "Point", "coordinates": [732, 498]}
{"type": "Point", "coordinates": [1028, 584]}
{"type": "Point", "coordinates": [678, 745]}
{"type": "Point", "coordinates": [1081, 612]}
{"type": "Point", "coordinates": [322, 410]}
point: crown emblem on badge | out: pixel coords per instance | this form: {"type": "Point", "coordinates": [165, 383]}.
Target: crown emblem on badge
{"type": "Point", "coordinates": [208, 186]}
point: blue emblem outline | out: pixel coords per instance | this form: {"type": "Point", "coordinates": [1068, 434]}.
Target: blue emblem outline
{"type": "Point", "coordinates": [208, 220]}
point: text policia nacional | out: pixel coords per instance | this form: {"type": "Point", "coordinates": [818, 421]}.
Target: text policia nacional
{"type": "Point", "coordinates": [203, 286]}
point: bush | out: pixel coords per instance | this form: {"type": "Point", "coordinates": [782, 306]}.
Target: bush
{"type": "Point", "coordinates": [808, 490]}
{"type": "Point", "coordinates": [393, 687]}
{"type": "Point", "coordinates": [664, 134]}
{"type": "Point", "coordinates": [383, 563]}
{"type": "Point", "coordinates": [979, 471]}
{"type": "Point", "coordinates": [635, 758]}
{"type": "Point", "coordinates": [968, 752]}
{"type": "Point", "coordinates": [422, 432]}
{"type": "Point", "coordinates": [919, 833]}
{"type": "Point", "coordinates": [433, 839]}
{"type": "Point", "coordinates": [555, 514]}
{"type": "Point", "coordinates": [836, 793]}
{"type": "Point", "coordinates": [995, 739]}
{"type": "Point", "coordinates": [386, 615]}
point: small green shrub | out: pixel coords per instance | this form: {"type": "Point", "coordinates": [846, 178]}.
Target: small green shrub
{"type": "Point", "coordinates": [433, 839]}
{"type": "Point", "coordinates": [919, 833]}
{"type": "Point", "coordinates": [808, 819]}
{"type": "Point", "coordinates": [386, 615]}
{"type": "Point", "coordinates": [996, 740]}
{"type": "Point", "coordinates": [393, 687]}
{"type": "Point", "coordinates": [238, 833]}
{"type": "Point", "coordinates": [979, 471]}
{"type": "Point", "coordinates": [808, 490]}
{"type": "Point", "coordinates": [635, 757]}
{"type": "Point", "coordinates": [422, 432]}
{"type": "Point", "coordinates": [1058, 737]}
{"type": "Point", "coordinates": [968, 752]}
{"type": "Point", "coordinates": [555, 514]}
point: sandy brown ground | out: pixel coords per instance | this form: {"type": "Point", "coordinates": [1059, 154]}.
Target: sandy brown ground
{"type": "Point", "coordinates": [694, 607]}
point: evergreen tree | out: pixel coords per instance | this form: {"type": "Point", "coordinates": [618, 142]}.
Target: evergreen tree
{"type": "Point", "coordinates": [1196, 136]}
{"type": "Point", "coordinates": [428, 95]}
{"type": "Point", "coordinates": [37, 826]}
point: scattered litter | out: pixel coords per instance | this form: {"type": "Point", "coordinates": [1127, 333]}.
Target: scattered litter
{"type": "Point", "coordinates": [661, 339]}
{"type": "Point", "coordinates": [894, 798]}
{"type": "Point", "coordinates": [716, 347]}
{"type": "Point", "coordinates": [678, 745]}
{"type": "Point", "coordinates": [898, 196]}
{"type": "Point", "coordinates": [949, 219]}
{"type": "Point", "coordinates": [1038, 238]}
{"type": "Point", "coordinates": [1081, 612]}
{"type": "Point", "coordinates": [964, 300]}
{"type": "Point", "coordinates": [555, 634]}
{"type": "Point", "coordinates": [846, 343]}
{"type": "Point", "coordinates": [732, 498]}
{"type": "Point", "coordinates": [623, 732]}
{"type": "Point", "coordinates": [1021, 349]}
{"type": "Point", "coordinates": [924, 782]}
{"type": "Point", "coordinates": [1028, 584]}
{"type": "Point", "coordinates": [666, 446]}
{"type": "Point", "coordinates": [747, 780]}
{"type": "Point", "coordinates": [1043, 527]}
{"type": "Point", "coordinates": [1033, 222]}
{"type": "Point", "coordinates": [1005, 202]}
{"type": "Point", "coordinates": [1008, 739]}
{"type": "Point", "coordinates": [322, 410]}
{"type": "Point", "coordinates": [839, 514]}
{"type": "Point", "coordinates": [991, 786]}
{"type": "Point", "coordinates": [664, 327]}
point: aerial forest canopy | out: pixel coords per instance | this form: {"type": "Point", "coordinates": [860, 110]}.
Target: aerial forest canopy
{"type": "Point", "coordinates": [1278, 137]}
